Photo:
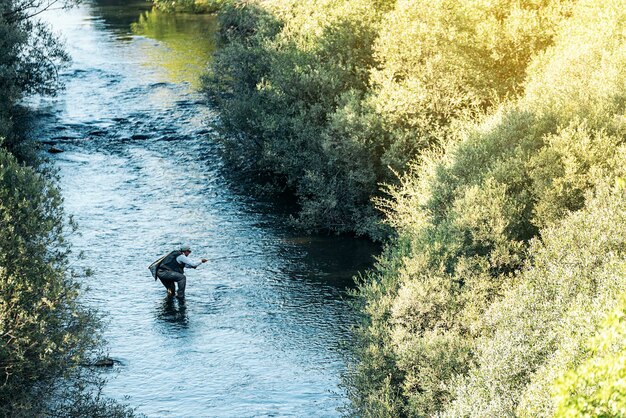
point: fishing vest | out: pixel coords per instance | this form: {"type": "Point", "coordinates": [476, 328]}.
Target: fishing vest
{"type": "Point", "coordinates": [170, 263]}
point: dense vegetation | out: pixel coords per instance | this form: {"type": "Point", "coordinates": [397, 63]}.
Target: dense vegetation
{"type": "Point", "coordinates": [46, 336]}
{"type": "Point", "coordinates": [29, 58]}
{"type": "Point", "coordinates": [596, 387]}
{"type": "Point", "coordinates": [189, 6]}
{"type": "Point", "coordinates": [332, 97]}
{"type": "Point", "coordinates": [504, 121]}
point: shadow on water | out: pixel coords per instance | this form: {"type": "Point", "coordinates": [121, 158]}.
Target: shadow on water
{"type": "Point", "coordinates": [173, 311]}
{"type": "Point", "coordinates": [324, 257]}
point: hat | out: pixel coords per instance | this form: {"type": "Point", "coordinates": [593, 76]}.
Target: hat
{"type": "Point", "coordinates": [185, 247]}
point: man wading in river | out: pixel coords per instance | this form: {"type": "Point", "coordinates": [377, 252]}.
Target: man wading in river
{"type": "Point", "coordinates": [171, 268]}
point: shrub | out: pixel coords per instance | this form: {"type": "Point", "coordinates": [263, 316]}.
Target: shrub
{"type": "Point", "coordinates": [45, 334]}
{"type": "Point", "coordinates": [328, 96]}
{"type": "Point", "coordinates": [509, 240]}
{"type": "Point", "coordinates": [279, 80]}
{"type": "Point", "coordinates": [538, 329]}
{"type": "Point", "coordinates": [445, 60]}
{"type": "Point", "coordinates": [190, 6]}
{"type": "Point", "coordinates": [595, 387]}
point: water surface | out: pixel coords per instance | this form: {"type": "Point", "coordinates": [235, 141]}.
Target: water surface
{"type": "Point", "coordinates": [263, 328]}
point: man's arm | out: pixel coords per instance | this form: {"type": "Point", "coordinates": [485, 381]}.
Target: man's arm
{"type": "Point", "coordinates": [183, 259]}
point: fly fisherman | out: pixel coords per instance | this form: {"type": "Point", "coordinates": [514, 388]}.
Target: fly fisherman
{"type": "Point", "coordinates": [172, 268]}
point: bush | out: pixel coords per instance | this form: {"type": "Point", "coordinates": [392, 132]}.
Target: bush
{"type": "Point", "coordinates": [595, 387]}
{"type": "Point", "coordinates": [445, 60]}
{"type": "Point", "coordinates": [190, 6]}
{"type": "Point", "coordinates": [280, 81]}
{"type": "Point", "coordinates": [574, 275]}
{"type": "Point", "coordinates": [45, 334]}
{"type": "Point", "coordinates": [474, 314]}
{"type": "Point", "coordinates": [328, 96]}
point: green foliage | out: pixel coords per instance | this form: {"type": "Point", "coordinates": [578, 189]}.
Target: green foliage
{"type": "Point", "coordinates": [373, 384]}
{"type": "Point", "coordinates": [480, 316]}
{"type": "Point", "coordinates": [30, 57]}
{"type": "Point", "coordinates": [45, 334]}
{"type": "Point", "coordinates": [278, 81]}
{"type": "Point", "coordinates": [329, 95]}
{"type": "Point", "coordinates": [466, 215]}
{"type": "Point", "coordinates": [595, 387]}
{"type": "Point", "coordinates": [538, 328]}
{"type": "Point", "coordinates": [30, 54]}
{"type": "Point", "coordinates": [190, 6]}
{"type": "Point", "coordinates": [582, 76]}
{"type": "Point", "coordinates": [444, 60]}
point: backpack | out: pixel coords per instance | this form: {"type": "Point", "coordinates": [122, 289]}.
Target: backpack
{"type": "Point", "coordinates": [155, 266]}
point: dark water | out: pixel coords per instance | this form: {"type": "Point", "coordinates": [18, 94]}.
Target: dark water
{"type": "Point", "coordinates": [263, 329]}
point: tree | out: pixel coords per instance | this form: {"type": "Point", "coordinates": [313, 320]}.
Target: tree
{"type": "Point", "coordinates": [30, 57]}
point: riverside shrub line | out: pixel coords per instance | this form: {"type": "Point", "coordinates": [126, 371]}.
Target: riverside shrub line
{"type": "Point", "coordinates": [497, 130]}
{"type": "Point", "coordinates": [46, 335]}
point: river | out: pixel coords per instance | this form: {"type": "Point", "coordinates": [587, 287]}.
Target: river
{"type": "Point", "coordinates": [263, 330]}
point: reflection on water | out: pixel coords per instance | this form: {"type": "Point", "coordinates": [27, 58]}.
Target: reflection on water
{"type": "Point", "coordinates": [173, 311]}
{"type": "Point", "coordinates": [189, 40]}
{"type": "Point", "coordinates": [186, 41]}
{"type": "Point", "coordinates": [117, 15]}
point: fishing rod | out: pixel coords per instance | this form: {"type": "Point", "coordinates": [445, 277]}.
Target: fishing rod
{"type": "Point", "coordinates": [225, 257]}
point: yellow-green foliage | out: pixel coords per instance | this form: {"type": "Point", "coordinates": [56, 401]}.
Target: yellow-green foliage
{"type": "Point", "coordinates": [445, 59]}
{"type": "Point", "coordinates": [327, 95]}
{"type": "Point", "coordinates": [190, 6]}
{"type": "Point", "coordinates": [597, 386]}
{"type": "Point", "coordinates": [584, 75]}
{"type": "Point", "coordinates": [478, 322]}
{"type": "Point", "coordinates": [538, 328]}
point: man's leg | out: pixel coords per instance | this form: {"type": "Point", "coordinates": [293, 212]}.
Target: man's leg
{"type": "Point", "coordinates": [168, 278]}
{"type": "Point", "coordinates": [181, 286]}
{"type": "Point", "coordinates": [170, 286]}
